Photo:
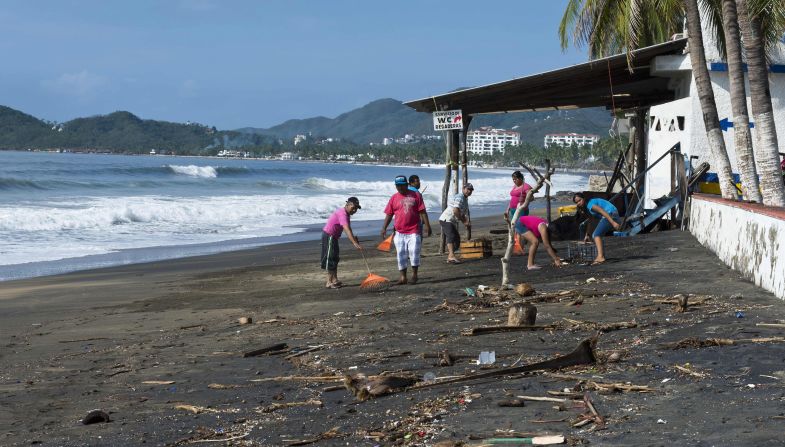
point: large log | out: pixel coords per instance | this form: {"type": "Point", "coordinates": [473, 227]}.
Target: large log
{"type": "Point", "coordinates": [582, 355]}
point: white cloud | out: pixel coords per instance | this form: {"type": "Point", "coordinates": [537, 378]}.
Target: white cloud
{"type": "Point", "coordinates": [82, 85]}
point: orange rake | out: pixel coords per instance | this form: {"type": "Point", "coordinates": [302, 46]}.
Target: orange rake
{"type": "Point", "coordinates": [374, 282]}
{"type": "Point", "coordinates": [386, 245]}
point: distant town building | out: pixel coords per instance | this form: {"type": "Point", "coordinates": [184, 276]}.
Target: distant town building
{"type": "Point", "coordinates": [568, 139]}
{"type": "Point", "coordinates": [299, 139]}
{"type": "Point", "coordinates": [487, 140]}
{"type": "Point", "coordinates": [387, 141]}
{"type": "Point", "coordinates": [234, 154]}
{"type": "Point", "coordinates": [287, 155]}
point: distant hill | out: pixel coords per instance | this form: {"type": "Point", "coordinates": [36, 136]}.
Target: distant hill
{"type": "Point", "coordinates": [390, 118]}
{"type": "Point", "coordinates": [124, 132]}
{"type": "Point", "coordinates": [116, 132]}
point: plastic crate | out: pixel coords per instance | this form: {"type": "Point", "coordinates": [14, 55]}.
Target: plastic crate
{"type": "Point", "coordinates": [580, 252]}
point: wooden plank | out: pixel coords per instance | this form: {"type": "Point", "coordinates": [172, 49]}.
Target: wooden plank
{"type": "Point", "coordinates": [474, 256]}
{"type": "Point", "coordinates": [475, 244]}
{"type": "Point", "coordinates": [476, 250]}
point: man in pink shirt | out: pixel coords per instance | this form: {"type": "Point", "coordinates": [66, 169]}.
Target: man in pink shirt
{"type": "Point", "coordinates": [409, 210]}
{"type": "Point", "coordinates": [338, 221]}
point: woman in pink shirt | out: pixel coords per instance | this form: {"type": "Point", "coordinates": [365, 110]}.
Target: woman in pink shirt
{"type": "Point", "coordinates": [535, 229]}
{"type": "Point", "coordinates": [517, 197]}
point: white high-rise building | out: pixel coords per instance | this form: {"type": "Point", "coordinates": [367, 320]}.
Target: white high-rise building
{"type": "Point", "coordinates": [487, 140]}
{"type": "Point", "coordinates": [567, 139]}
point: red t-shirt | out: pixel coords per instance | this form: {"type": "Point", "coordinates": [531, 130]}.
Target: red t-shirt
{"type": "Point", "coordinates": [406, 208]}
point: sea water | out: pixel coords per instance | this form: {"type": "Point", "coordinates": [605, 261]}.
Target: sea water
{"type": "Point", "coordinates": [62, 212]}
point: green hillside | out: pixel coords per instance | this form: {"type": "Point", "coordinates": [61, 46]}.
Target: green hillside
{"type": "Point", "coordinates": [126, 133]}
{"type": "Point", "coordinates": [390, 118]}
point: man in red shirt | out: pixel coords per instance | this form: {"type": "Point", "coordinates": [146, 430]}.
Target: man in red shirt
{"type": "Point", "coordinates": [409, 211]}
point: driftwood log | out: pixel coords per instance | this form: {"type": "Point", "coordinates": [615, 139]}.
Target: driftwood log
{"type": "Point", "coordinates": [366, 387]}
{"type": "Point", "coordinates": [695, 342]}
{"type": "Point", "coordinates": [522, 314]}
{"type": "Point", "coordinates": [582, 355]}
{"type": "Point", "coordinates": [273, 348]}
{"type": "Point", "coordinates": [494, 329]}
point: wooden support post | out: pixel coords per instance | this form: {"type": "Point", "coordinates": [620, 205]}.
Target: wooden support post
{"type": "Point", "coordinates": [454, 158]}
{"type": "Point", "coordinates": [446, 186]}
{"type": "Point", "coordinates": [640, 148]}
{"type": "Point", "coordinates": [548, 192]}
{"type": "Point", "coordinates": [465, 163]}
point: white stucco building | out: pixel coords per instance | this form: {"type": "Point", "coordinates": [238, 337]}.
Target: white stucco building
{"type": "Point", "coordinates": [568, 139]}
{"type": "Point", "coordinates": [487, 140]}
{"type": "Point", "coordinates": [681, 121]}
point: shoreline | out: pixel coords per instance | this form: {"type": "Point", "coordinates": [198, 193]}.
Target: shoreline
{"type": "Point", "coordinates": [152, 254]}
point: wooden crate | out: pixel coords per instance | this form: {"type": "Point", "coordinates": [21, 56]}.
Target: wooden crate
{"type": "Point", "coordinates": [476, 249]}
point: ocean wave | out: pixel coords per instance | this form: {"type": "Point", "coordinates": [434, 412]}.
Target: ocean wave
{"type": "Point", "coordinates": [194, 171]}
{"type": "Point", "coordinates": [8, 183]}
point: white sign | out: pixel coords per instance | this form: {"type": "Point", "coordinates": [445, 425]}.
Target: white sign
{"type": "Point", "coordinates": [448, 120]}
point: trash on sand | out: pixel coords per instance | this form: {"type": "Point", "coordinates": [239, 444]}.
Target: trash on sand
{"type": "Point", "coordinates": [470, 292]}
{"type": "Point", "coordinates": [487, 358]}
{"type": "Point", "coordinates": [95, 417]}
{"type": "Point", "coordinates": [482, 288]}
{"type": "Point", "coordinates": [245, 320]}
{"type": "Point", "coordinates": [591, 280]}
{"type": "Point", "coordinates": [158, 382]}
{"type": "Point", "coordinates": [739, 314]}
{"type": "Point", "coordinates": [662, 421]}
{"type": "Point", "coordinates": [666, 380]}
{"type": "Point", "coordinates": [428, 377]}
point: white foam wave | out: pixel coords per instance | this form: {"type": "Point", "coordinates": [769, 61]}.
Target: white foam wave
{"type": "Point", "coordinates": [194, 171]}
{"type": "Point", "coordinates": [96, 225]}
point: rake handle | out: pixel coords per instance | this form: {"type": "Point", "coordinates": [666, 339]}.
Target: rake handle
{"type": "Point", "coordinates": [362, 252]}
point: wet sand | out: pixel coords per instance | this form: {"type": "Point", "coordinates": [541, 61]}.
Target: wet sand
{"type": "Point", "coordinates": [90, 340]}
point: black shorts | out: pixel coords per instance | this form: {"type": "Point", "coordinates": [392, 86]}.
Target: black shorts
{"type": "Point", "coordinates": [450, 232]}
{"type": "Point", "coordinates": [330, 253]}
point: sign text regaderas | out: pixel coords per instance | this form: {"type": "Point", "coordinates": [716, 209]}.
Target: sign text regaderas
{"type": "Point", "coordinates": [448, 120]}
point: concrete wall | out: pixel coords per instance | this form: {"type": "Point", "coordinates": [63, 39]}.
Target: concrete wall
{"type": "Point", "coordinates": [749, 238]}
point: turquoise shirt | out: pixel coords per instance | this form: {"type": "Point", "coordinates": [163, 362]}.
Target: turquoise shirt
{"type": "Point", "coordinates": [602, 203]}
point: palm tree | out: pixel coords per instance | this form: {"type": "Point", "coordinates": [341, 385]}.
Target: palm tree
{"type": "Point", "coordinates": [611, 26]}
{"type": "Point", "coordinates": [742, 139]}
{"type": "Point", "coordinates": [711, 121]}
{"type": "Point", "coordinates": [766, 149]}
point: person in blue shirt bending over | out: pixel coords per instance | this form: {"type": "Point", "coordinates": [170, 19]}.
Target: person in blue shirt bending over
{"type": "Point", "coordinates": [609, 218]}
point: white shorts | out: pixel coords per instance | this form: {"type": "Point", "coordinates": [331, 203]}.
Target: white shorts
{"type": "Point", "coordinates": [408, 247]}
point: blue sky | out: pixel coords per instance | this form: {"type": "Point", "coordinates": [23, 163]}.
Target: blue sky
{"type": "Point", "coordinates": [234, 64]}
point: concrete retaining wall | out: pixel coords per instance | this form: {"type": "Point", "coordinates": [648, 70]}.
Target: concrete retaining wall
{"type": "Point", "coordinates": [750, 238]}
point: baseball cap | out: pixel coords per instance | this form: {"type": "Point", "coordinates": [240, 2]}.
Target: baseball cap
{"type": "Point", "coordinates": [355, 201]}
{"type": "Point", "coordinates": [469, 186]}
{"type": "Point", "coordinates": [401, 180]}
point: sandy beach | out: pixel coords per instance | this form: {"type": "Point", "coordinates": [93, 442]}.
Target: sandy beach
{"type": "Point", "coordinates": [158, 347]}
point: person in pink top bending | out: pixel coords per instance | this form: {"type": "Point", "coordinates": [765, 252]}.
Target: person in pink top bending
{"type": "Point", "coordinates": [338, 222]}
{"type": "Point", "coordinates": [535, 229]}
{"type": "Point", "coordinates": [409, 211]}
